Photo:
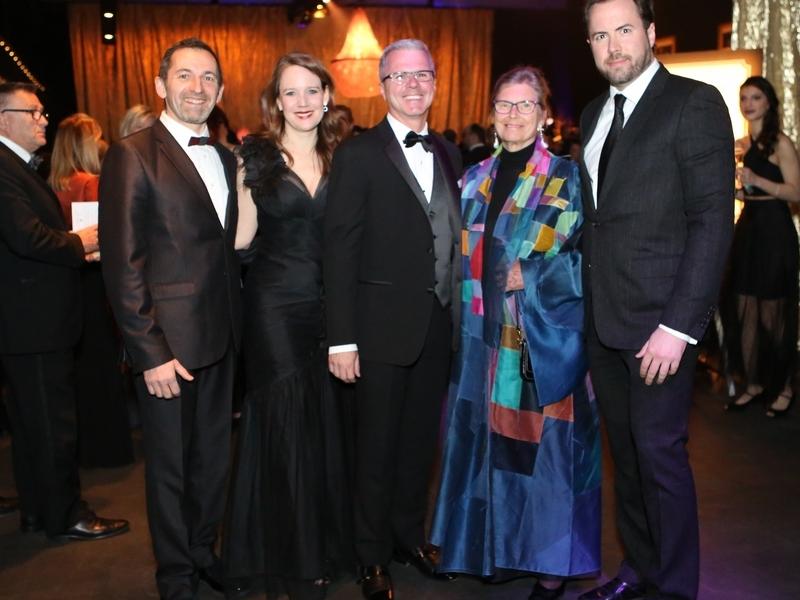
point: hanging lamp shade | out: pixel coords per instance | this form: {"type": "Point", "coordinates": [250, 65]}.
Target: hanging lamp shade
{"type": "Point", "coordinates": [355, 68]}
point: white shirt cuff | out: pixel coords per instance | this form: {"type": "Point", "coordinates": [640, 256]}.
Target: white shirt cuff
{"type": "Point", "coordinates": [679, 335]}
{"type": "Point", "coordinates": [343, 348]}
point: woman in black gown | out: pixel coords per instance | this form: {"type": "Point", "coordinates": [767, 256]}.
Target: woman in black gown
{"type": "Point", "coordinates": [764, 259]}
{"type": "Point", "coordinates": [288, 511]}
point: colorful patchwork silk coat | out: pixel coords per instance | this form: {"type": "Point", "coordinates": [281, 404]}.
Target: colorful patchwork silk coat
{"type": "Point", "coordinates": [520, 486]}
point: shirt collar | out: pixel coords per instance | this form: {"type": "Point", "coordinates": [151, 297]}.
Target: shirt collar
{"type": "Point", "coordinates": [400, 130]}
{"type": "Point", "coordinates": [179, 131]}
{"type": "Point", "coordinates": [634, 91]}
{"type": "Point", "coordinates": [16, 148]}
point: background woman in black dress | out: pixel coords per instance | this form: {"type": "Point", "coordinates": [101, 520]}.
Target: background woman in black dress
{"type": "Point", "coordinates": [764, 258]}
{"type": "Point", "coordinates": [288, 511]}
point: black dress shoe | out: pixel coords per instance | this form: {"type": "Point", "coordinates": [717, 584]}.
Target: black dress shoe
{"type": "Point", "coordinates": [616, 589]}
{"type": "Point", "coordinates": [92, 527]}
{"type": "Point", "coordinates": [542, 593]}
{"type": "Point", "coordinates": [376, 583]}
{"type": "Point", "coordinates": [30, 523]}
{"type": "Point", "coordinates": [8, 505]}
{"type": "Point", "coordinates": [425, 559]}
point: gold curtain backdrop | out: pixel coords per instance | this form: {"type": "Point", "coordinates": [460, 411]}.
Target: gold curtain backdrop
{"type": "Point", "coordinates": [774, 27]}
{"type": "Point", "coordinates": [249, 40]}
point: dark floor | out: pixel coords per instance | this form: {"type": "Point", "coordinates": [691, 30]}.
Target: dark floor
{"type": "Point", "coordinates": [747, 469]}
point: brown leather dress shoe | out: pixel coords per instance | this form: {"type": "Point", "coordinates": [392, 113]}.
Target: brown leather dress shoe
{"type": "Point", "coordinates": [92, 527]}
{"type": "Point", "coordinates": [8, 505]}
{"type": "Point", "coordinates": [376, 583]}
{"type": "Point", "coordinates": [425, 559]}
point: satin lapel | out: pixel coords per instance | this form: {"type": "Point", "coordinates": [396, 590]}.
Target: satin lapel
{"type": "Point", "coordinates": [230, 179]}
{"type": "Point", "coordinates": [184, 166]}
{"type": "Point", "coordinates": [590, 205]}
{"type": "Point", "coordinates": [34, 176]}
{"type": "Point", "coordinates": [445, 167]}
{"type": "Point", "coordinates": [621, 160]}
{"type": "Point", "coordinates": [395, 154]}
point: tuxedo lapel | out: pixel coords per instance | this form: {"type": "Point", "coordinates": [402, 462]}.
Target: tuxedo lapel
{"type": "Point", "coordinates": [29, 173]}
{"type": "Point", "coordinates": [170, 149]}
{"type": "Point", "coordinates": [444, 168]}
{"type": "Point", "coordinates": [230, 179]}
{"type": "Point", "coordinates": [395, 154]}
{"type": "Point", "coordinates": [635, 125]}
{"type": "Point", "coordinates": [591, 204]}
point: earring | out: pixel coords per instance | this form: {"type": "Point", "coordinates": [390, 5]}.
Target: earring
{"type": "Point", "coordinates": [324, 108]}
{"type": "Point", "coordinates": [540, 131]}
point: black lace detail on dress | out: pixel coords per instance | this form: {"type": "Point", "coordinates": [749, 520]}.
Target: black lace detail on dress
{"type": "Point", "coordinates": [263, 164]}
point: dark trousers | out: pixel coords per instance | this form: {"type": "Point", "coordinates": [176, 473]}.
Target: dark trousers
{"type": "Point", "coordinates": [397, 422]}
{"type": "Point", "coordinates": [656, 504]}
{"type": "Point", "coordinates": [41, 409]}
{"type": "Point", "coordinates": [186, 445]}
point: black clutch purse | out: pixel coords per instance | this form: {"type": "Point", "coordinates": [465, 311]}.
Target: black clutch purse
{"type": "Point", "coordinates": [525, 368]}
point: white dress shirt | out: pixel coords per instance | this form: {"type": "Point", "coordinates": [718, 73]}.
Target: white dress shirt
{"type": "Point", "coordinates": [16, 148]}
{"type": "Point", "coordinates": [206, 160]}
{"type": "Point", "coordinates": [421, 163]}
{"type": "Point", "coordinates": [591, 155]}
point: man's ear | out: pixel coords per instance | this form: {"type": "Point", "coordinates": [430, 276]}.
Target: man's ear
{"type": "Point", "coordinates": [219, 94]}
{"type": "Point", "coordinates": [161, 88]}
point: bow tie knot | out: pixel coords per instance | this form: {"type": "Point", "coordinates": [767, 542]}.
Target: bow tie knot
{"type": "Point", "coordinates": [198, 141]}
{"type": "Point", "coordinates": [424, 140]}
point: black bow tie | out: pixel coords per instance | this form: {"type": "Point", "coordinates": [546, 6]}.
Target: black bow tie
{"type": "Point", "coordinates": [34, 161]}
{"type": "Point", "coordinates": [413, 137]}
{"type": "Point", "coordinates": [198, 141]}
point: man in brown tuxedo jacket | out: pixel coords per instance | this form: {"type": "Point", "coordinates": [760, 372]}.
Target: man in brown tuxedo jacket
{"type": "Point", "coordinates": [167, 224]}
{"type": "Point", "coordinates": [40, 324]}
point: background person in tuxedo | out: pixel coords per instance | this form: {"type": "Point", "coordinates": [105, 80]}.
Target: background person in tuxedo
{"type": "Point", "coordinates": [40, 323]}
{"type": "Point", "coordinates": [659, 219]}
{"type": "Point", "coordinates": [391, 276]}
{"type": "Point", "coordinates": [167, 225]}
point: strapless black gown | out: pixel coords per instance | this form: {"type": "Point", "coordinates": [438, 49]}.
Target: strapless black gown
{"type": "Point", "coordinates": [288, 515]}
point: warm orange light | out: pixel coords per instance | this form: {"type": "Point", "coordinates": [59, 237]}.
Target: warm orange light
{"type": "Point", "coordinates": [355, 68]}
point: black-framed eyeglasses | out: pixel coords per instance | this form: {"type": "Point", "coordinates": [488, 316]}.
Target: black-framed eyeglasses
{"type": "Point", "coordinates": [35, 113]}
{"type": "Point", "coordinates": [401, 77]}
{"type": "Point", "coordinates": [524, 107]}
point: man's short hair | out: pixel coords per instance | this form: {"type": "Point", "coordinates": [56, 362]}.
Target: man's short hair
{"type": "Point", "coordinates": [193, 43]}
{"type": "Point", "coordinates": [7, 88]}
{"type": "Point", "coordinates": [645, 7]}
{"type": "Point", "coordinates": [406, 44]}
{"type": "Point", "coordinates": [478, 132]}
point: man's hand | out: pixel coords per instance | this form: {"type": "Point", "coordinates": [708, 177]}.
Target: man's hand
{"type": "Point", "coordinates": [88, 237]}
{"type": "Point", "coordinates": [661, 356]}
{"type": "Point", "coordinates": [514, 280]}
{"type": "Point", "coordinates": [162, 381]}
{"type": "Point", "coordinates": [345, 366]}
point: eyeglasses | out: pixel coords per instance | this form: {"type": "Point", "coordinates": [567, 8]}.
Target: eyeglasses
{"type": "Point", "coordinates": [33, 112]}
{"type": "Point", "coordinates": [401, 77]}
{"type": "Point", "coordinates": [524, 107]}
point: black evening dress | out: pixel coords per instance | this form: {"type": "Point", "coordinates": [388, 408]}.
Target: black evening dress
{"type": "Point", "coordinates": [764, 282]}
{"type": "Point", "coordinates": [288, 512]}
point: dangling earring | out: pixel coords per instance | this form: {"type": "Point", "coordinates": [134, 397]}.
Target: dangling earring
{"type": "Point", "coordinates": [495, 139]}
{"type": "Point", "coordinates": [540, 131]}
{"type": "Point", "coordinates": [324, 108]}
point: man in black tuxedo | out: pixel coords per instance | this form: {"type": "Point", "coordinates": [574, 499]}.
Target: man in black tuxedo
{"type": "Point", "coordinates": [473, 140]}
{"type": "Point", "coordinates": [40, 323]}
{"type": "Point", "coordinates": [167, 224]}
{"type": "Point", "coordinates": [658, 176]}
{"type": "Point", "coordinates": [391, 271]}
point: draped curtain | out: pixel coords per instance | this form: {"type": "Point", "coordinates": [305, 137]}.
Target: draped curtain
{"type": "Point", "coordinates": [774, 26]}
{"type": "Point", "coordinates": [249, 40]}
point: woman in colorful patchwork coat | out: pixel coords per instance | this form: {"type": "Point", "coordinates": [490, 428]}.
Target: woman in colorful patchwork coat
{"type": "Point", "coordinates": [520, 488]}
